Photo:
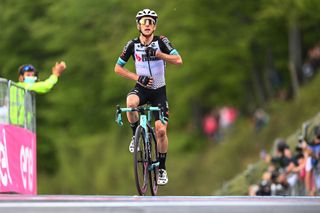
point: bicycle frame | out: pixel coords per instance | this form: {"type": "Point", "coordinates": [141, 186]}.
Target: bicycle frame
{"type": "Point", "coordinates": [144, 124]}
{"type": "Point", "coordinates": [145, 119]}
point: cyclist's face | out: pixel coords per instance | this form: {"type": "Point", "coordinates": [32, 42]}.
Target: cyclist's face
{"type": "Point", "coordinates": [147, 25]}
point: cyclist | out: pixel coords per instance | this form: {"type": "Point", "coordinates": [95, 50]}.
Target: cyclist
{"type": "Point", "coordinates": [150, 54]}
{"type": "Point", "coordinates": [28, 77]}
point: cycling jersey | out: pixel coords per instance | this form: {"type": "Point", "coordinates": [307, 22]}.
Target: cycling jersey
{"type": "Point", "coordinates": [153, 66]}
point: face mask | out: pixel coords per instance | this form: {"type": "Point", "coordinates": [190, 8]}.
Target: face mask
{"type": "Point", "coordinates": [30, 79]}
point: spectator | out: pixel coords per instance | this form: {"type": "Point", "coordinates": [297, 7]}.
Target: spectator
{"type": "Point", "coordinates": [312, 63]}
{"type": "Point", "coordinates": [279, 185]}
{"type": "Point", "coordinates": [28, 79]}
{"type": "Point", "coordinates": [296, 174]}
{"type": "Point", "coordinates": [282, 157]}
{"type": "Point", "coordinates": [312, 149]}
{"type": "Point", "coordinates": [293, 174]}
{"type": "Point", "coordinates": [261, 119]}
{"type": "Point", "coordinates": [264, 187]}
{"type": "Point", "coordinates": [278, 169]}
{"type": "Point", "coordinates": [253, 189]}
{"type": "Point", "coordinates": [228, 116]}
{"type": "Point", "coordinates": [210, 126]}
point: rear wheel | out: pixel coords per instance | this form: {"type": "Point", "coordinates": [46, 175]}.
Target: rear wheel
{"type": "Point", "coordinates": [153, 173]}
{"type": "Point", "coordinates": [140, 162]}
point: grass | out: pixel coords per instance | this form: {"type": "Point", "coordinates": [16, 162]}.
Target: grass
{"type": "Point", "coordinates": [230, 167]}
{"type": "Point", "coordinates": [101, 164]}
{"type": "Point", "coordinates": [286, 121]}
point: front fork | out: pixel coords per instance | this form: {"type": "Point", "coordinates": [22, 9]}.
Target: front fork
{"type": "Point", "coordinates": [143, 122]}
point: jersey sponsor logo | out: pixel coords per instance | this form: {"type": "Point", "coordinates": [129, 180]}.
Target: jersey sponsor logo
{"type": "Point", "coordinates": [151, 58]}
{"type": "Point", "coordinates": [138, 57]}
{"type": "Point", "coordinates": [140, 50]}
{"type": "Point", "coordinates": [125, 48]}
{"type": "Point", "coordinates": [166, 42]}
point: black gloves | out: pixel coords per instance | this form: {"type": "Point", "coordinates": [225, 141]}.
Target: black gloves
{"type": "Point", "coordinates": [144, 80]}
{"type": "Point", "coordinates": [150, 51]}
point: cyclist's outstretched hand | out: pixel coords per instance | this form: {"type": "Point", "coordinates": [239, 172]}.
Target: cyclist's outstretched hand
{"type": "Point", "coordinates": [145, 81]}
{"type": "Point", "coordinates": [59, 68]}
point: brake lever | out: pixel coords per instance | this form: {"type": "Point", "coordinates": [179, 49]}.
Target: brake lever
{"type": "Point", "coordinates": [119, 116]}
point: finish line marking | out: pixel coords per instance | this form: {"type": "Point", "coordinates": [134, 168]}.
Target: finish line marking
{"type": "Point", "coordinates": [93, 204]}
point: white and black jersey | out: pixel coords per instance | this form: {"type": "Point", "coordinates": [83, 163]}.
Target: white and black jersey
{"type": "Point", "coordinates": [145, 66]}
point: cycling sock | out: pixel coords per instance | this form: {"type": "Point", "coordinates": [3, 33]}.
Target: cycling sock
{"type": "Point", "coordinates": [162, 160]}
{"type": "Point", "coordinates": [134, 127]}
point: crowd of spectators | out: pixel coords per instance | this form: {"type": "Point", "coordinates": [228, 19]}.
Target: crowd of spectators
{"type": "Point", "coordinates": [218, 121]}
{"type": "Point", "coordinates": [291, 171]}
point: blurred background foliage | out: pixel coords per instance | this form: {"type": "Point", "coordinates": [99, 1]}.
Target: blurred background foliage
{"type": "Point", "coordinates": [235, 53]}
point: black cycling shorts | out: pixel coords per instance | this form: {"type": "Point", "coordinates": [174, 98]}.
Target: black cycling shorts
{"type": "Point", "coordinates": [153, 97]}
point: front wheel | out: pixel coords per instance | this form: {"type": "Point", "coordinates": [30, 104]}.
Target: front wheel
{"type": "Point", "coordinates": [140, 161]}
{"type": "Point", "coordinates": [154, 155]}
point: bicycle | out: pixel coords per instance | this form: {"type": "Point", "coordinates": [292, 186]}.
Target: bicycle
{"type": "Point", "coordinates": [146, 154]}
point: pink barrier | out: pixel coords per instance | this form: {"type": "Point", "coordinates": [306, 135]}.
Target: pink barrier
{"type": "Point", "coordinates": [18, 163]}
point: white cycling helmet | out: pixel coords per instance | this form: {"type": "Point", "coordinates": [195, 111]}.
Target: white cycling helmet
{"type": "Point", "coordinates": [146, 13]}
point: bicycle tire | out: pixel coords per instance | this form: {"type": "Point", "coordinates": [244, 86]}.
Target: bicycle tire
{"type": "Point", "coordinates": [154, 155]}
{"type": "Point", "coordinates": [140, 162]}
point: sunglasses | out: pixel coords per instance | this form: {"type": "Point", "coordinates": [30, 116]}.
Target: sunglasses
{"type": "Point", "coordinates": [147, 21]}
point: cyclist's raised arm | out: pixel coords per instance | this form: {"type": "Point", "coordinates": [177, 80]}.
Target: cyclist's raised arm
{"type": "Point", "coordinates": [168, 52]}
{"type": "Point", "coordinates": [172, 59]}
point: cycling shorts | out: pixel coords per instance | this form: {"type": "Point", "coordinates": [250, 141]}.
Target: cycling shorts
{"type": "Point", "coordinates": [153, 97]}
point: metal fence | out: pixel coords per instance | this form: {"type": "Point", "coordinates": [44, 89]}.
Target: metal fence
{"type": "Point", "coordinates": [17, 105]}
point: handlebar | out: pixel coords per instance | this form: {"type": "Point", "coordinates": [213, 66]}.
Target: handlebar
{"type": "Point", "coordinates": [141, 109]}
{"type": "Point", "coordinates": [118, 116]}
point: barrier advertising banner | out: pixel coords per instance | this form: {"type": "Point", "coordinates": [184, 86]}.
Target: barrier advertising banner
{"type": "Point", "coordinates": [18, 165]}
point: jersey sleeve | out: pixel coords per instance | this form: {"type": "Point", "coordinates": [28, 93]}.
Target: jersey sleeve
{"type": "Point", "coordinates": [126, 53]}
{"type": "Point", "coordinates": [166, 46]}
{"type": "Point", "coordinates": [42, 86]}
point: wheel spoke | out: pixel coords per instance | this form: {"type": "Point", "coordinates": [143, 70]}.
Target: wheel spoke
{"type": "Point", "coordinates": [140, 163]}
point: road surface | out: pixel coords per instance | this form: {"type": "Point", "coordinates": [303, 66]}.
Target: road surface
{"type": "Point", "coordinates": [161, 204]}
